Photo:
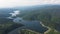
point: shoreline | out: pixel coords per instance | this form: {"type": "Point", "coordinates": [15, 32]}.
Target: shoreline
{"type": "Point", "coordinates": [46, 27]}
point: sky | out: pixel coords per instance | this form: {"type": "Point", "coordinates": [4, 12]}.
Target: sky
{"type": "Point", "coordinates": [14, 3]}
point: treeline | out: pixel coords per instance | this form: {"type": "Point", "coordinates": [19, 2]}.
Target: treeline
{"type": "Point", "coordinates": [49, 15]}
{"type": "Point", "coordinates": [7, 25]}
{"type": "Point", "coordinates": [27, 31]}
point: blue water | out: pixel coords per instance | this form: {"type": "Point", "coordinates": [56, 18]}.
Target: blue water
{"type": "Point", "coordinates": [34, 25]}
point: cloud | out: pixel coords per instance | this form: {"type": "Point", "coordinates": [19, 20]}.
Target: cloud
{"type": "Point", "coordinates": [13, 3]}
{"type": "Point", "coordinates": [15, 13]}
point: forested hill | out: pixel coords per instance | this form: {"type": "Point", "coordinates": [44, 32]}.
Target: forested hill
{"type": "Point", "coordinates": [48, 14]}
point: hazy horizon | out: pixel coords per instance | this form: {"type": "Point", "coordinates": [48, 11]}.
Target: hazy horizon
{"type": "Point", "coordinates": [15, 3]}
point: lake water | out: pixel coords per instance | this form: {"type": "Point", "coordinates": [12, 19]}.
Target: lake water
{"type": "Point", "coordinates": [32, 25]}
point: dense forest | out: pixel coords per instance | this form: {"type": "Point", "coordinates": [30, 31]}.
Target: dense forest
{"type": "Point", "coordinates": [7, 25]}
{"type": "Point", "coordinates": [48, 14]}
{"type": "Point", "coordinates": [27, 31]}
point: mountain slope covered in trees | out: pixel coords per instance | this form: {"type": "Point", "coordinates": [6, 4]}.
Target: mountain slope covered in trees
{"type": "Point", "coordinates": [48, 14]}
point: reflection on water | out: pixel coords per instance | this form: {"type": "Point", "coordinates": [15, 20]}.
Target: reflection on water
{"type": "Point", "coordinates": [17, 20]}
{"type": "Point", "coordinates": [32, 25]}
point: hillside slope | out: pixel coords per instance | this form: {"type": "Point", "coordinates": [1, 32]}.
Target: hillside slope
{"type": "Point", "coordinates": [48, 14]}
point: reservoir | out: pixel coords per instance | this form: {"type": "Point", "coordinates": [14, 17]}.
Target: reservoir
{"type": "Point", "coordinates": [31, 25]}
